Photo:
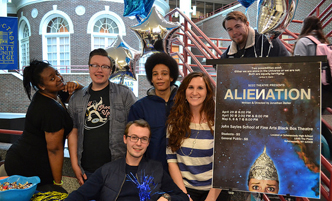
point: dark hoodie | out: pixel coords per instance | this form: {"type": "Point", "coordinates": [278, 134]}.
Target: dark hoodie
{"type": "Point", "coordinates": [106, 182]}
{"type": "Point", "coordinates": [254, 46]}
{"type": "Point", "coordinates": [155, 111]}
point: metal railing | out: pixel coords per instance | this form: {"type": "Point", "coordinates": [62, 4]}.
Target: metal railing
{"type": "Point", "coordinates": [11, 132]}
{"type": "Point", "coordinates": [199, 40]}
{"type": "Point", "coordinates": [325, 18]}
{"type": "Point", "coordinates": [202, 17]}
{"type": "Point", "coordinates": [211, 48]}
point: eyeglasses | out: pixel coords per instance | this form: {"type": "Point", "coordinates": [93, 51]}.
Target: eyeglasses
{"type": "Point", "coordinates": [134, 138]}
{"type": "Point", "coordinates": [97, 66]}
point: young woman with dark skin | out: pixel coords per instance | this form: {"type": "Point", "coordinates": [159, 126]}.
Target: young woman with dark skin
{"type": "Point", "coordinates": [39, 150]}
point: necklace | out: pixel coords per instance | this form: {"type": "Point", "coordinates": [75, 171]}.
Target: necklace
{"type": "Point", "coordinates": [244, 52]}
{"type": "Point", "coordinates": [241, 52]}
{"type": "Point", "coordinates": [191, 151]}
{"type": "Point", "coordinates": [47, 95]}
{"type": "Point", "coordinates": [58, 100]}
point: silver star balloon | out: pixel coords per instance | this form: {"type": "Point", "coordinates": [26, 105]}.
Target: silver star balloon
{"type": "Point", "coordinates": [273, 16]}
{"type": "Point", "coordinates": [154, 31]}
{"type": "Point", "coordinates": [124, 58]}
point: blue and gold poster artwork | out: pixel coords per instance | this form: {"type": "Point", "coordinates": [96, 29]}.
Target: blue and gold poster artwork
{"type": "Point", "coordinates": [8, 43]}
{"type": "Point", "coordinates": [267, 130]}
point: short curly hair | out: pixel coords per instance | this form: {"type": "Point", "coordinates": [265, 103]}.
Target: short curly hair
{"type": "Point", "coordinates": [161, 58]}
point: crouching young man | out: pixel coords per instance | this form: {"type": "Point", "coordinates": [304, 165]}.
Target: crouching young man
{"type": "Point", "coordinates": [119, 180]}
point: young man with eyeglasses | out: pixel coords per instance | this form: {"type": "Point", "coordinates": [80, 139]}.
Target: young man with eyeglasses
{"type": "Point", "coordinates": [115, 180]}
{"type": "Point", "coordinates": [99, 112]}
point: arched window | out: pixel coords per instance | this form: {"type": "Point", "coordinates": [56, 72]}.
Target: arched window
{"type": "Point", "coordinates": [104, 27]}
{"type": "Point", "coordinates": [105, 31]}
{"type": "Point", "coordinates": [57, 25]}
{"type": "Point", "coordinates": [55, 28]}
{"type": "Point", "coordinates": [24, 34]}
{"type": "Point", "coordinates": [58, 44]}
{"type": "Point", "coordinates": [26, 31]}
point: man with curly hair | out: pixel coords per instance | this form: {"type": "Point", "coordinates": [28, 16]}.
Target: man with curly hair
{"type": "Point", "coordinates": [162, 72]}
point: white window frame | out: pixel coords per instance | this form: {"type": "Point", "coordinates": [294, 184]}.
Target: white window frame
{"type": "Point", "coordinates": [58, 36]}
{"type": "Point", "coordinates": [43, 31]}
{"type": "Point", "coordinates": [105, 36]}
{"type": "Point", "coordinates": [24, 41]}
{"type": "Point", "coordinates": [105, 14]}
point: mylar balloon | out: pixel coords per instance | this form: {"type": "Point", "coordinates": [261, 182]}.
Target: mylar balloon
{"type": "Point", "coordinates": [282, 26]}
{"type": "Point", "coordinates": [153, 32]}
{"type": "Point", "coordinates": [138, 8]}
{"type": "Point", "coordinates": [274, 16]}
{"type": "Point", "coordinates": [246, 3]}
{"type": "Point", "coordinates": [124, 57]}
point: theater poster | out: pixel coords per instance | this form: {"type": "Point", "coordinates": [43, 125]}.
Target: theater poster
{"type": "Point", "coordinates": [8, 43]}
{"type": "Point", "coordinates": [267, 130]}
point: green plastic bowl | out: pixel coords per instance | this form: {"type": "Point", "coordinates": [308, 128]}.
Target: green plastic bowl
{"type": "Point", "coordinates": [19, 194]}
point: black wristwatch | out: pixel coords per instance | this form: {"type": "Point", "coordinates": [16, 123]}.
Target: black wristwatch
{"type": "Point", "coordinates": [167, 196]}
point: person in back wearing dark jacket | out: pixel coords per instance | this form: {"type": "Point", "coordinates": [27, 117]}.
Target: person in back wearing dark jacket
{"type": "Point", "coordinates": [162, 72]}
{"type": "Point", "coordinates": [121, 179]}
{"type": "Point", "coordinates": [246, 42]}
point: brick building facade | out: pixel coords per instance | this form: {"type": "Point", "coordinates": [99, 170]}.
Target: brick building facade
{"type": "Point", "coordinates": [80, 40]}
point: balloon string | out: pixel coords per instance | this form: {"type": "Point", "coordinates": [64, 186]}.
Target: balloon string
{"type": "Point", "coordinates": [122, 77]}
{"type": "Point", "coordinates": [268, 51]}
{"type": "Point", "coordinates": [247, 15]}
{"type": "Point", "coordinates": [262, 46]}
{"type": "Point", "coordinates": [255, 51]}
